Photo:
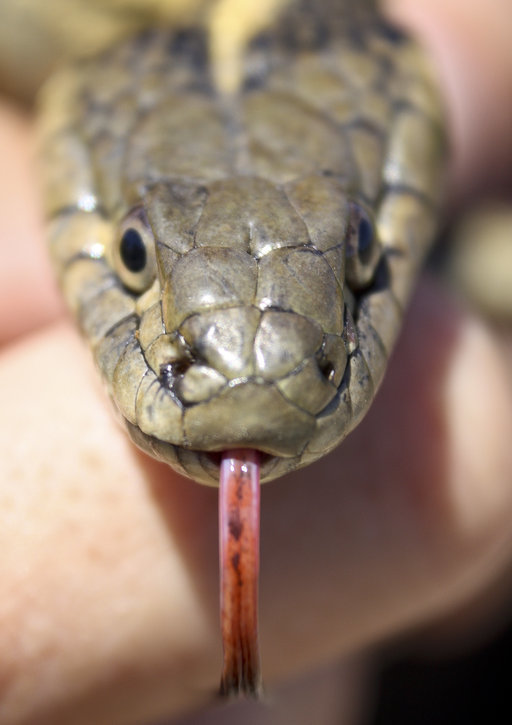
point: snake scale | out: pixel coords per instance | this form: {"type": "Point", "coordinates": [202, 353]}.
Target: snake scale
{"type": "Point", "coordinates": [239, 253]}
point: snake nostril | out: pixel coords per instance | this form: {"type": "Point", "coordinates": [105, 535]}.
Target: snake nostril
{"type": "Point", "coordinates": [171, 371]}
{"type": "Point", "coordinates": [180, 367]}
{"type": "Point", "coordinates": [328, 370]}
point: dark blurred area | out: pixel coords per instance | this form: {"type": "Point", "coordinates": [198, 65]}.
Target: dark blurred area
{"type": "Point", "coordinates": [470, 689]}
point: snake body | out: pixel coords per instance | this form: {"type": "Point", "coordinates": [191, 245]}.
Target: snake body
{"type": "Point", "coordinates": [239, 258]}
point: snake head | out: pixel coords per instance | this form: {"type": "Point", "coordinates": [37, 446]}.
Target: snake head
{"type": "Point", "coordinates": [246, 335]}
{"type": "Point", "coordinates": [265, 241]}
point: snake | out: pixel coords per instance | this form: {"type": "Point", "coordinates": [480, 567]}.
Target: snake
{"type": "Point", "coordinates": [236, 220]}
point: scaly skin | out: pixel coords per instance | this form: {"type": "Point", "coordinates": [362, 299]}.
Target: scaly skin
{"type": "Point", "coordinates": [255, 323]}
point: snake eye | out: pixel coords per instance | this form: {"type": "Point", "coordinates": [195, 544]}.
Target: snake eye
{"type": "Point", "coordinates": [363, 250]}
{"type": "Point", "coordinates": [133, 250]}
{"type": "Point", "coordinates": [134, 257]}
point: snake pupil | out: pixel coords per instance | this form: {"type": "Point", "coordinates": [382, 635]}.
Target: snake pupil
{"type": "Point", "coordinates": [365, 238]}
{"type": "Point", "coordinates": [133, 251]}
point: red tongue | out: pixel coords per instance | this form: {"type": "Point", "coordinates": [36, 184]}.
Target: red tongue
{"type": "Point", "coordinates": [239, 536]}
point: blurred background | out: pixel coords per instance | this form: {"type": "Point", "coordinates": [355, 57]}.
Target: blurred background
{"type": "Point", "coordinates": [454, 673]}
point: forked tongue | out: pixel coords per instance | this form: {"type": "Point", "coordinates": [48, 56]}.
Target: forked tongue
{"type": "Point", "coordinates": [239, 541]}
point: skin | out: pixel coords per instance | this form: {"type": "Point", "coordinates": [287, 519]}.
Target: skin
{"type": "Point", "coordinates": [109, 607]}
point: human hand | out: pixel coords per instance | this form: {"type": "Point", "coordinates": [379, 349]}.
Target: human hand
{"type": "Point", "coordinates": [109, 612]}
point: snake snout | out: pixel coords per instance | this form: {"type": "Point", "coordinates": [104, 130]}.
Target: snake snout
{"type": "Point", "coordinates": [240, 376]}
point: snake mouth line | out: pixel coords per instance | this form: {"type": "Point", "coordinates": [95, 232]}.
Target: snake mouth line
{"type": "Point", "coordinates": [216, 456]}
{"type": "Point", "coordinates": [266, 461]}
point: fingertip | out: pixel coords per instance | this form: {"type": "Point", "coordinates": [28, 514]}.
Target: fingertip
{"type": "Point", "coordinates": [479, 415]}
{"type": "Point", "coordinates": [454, 385]}
{"type": "Point", "coordinates": [27, 288]}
